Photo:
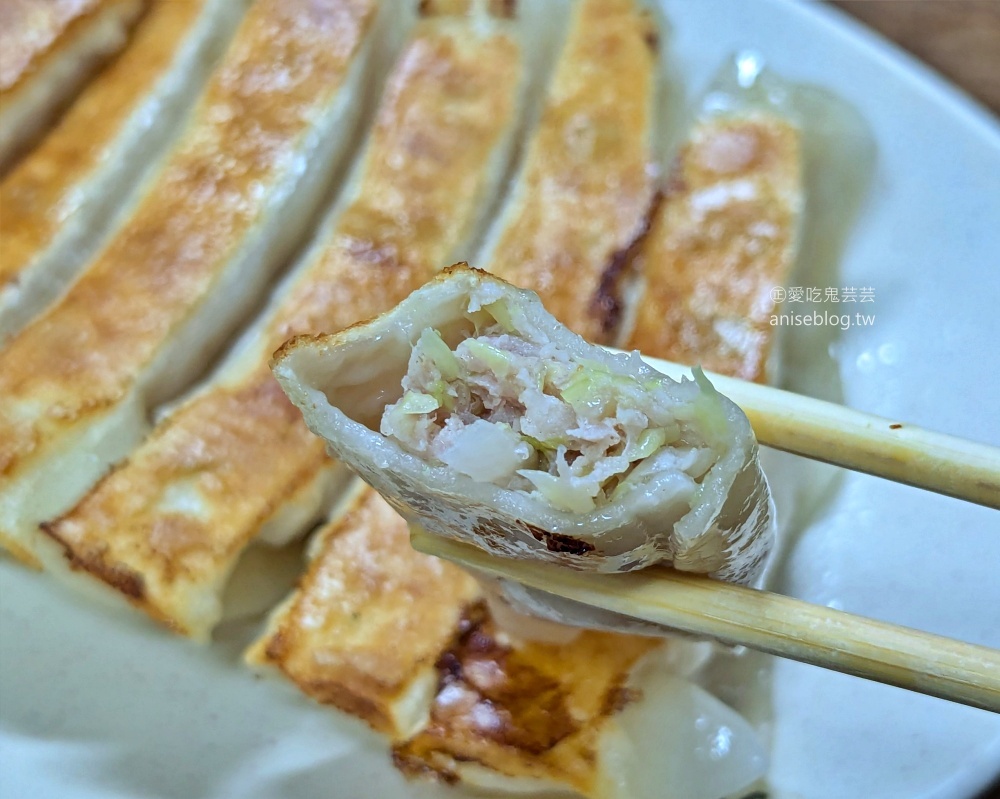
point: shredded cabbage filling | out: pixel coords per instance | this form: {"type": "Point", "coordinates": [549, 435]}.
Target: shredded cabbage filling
{"type": "Point", "coordinates": [529, 417]}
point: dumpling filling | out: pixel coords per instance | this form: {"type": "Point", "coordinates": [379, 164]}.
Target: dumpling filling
{"type": "Point", "coordinates": [530, 417]}
{"type": "Point", "coordinates": [509, 432]}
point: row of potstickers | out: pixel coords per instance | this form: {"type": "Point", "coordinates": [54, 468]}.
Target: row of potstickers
{"type": "Point", "coordinates": [400, 640]}
{"type": "Point", "coordinates": [408, 643]}
{"type": "Point", "coordinates": [233, 463]}
{"type": "Point", "coordinates": [84, 175]}
{"type": "Point", "coordinates": [188, 260]}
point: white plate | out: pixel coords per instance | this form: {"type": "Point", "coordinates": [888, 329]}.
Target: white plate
{"type": "Point", "coordinates": [99, 704]}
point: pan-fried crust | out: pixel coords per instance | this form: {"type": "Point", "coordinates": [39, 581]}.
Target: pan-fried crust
{"type": "Point", "coordinates": [389, 635]}
{"type": "Point", "coordinates": [447, 105]}
{"type": "Point", "coordinates": [587, 182]}
{"type": "Point", "coordinates": [723, 239]}
{"type": "Point", "coordinates": [59, 199]}
{"type": "Point", "coordinates": [115, 318]}
{"type": "Point", "coordinates": [34, 196]}
{"type": "Point", "coordinates": [153, 518]}
{"type": "Point", "coordinates": [49, 49]}
{"type": "Point", "coordinates": [227, 462]}
{"type": "Point", "coordinates": [369, 619]}
{"type": "Point", "coordinates": [525, 710]}
{"type": "Point", "coordinates": [100, 349]}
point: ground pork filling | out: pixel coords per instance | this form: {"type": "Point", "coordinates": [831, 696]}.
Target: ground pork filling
{"type": "Point", "coordinates": [529, 417]}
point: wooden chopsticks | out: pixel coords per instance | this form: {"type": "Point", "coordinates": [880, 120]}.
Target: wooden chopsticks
{"type": "Point", "coordinates": [779, 625]}
{"type": "Point", "coordinates": [832, 433]}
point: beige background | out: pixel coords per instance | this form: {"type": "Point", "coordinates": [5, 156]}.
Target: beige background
{"type": "Point", "coordinates": [960, 38]}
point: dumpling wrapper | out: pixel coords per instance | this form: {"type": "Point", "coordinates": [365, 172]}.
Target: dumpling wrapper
{"type": "Point", "coordinates": [719, 524]}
